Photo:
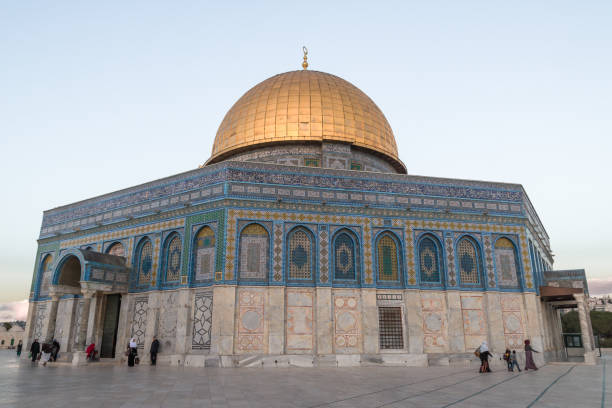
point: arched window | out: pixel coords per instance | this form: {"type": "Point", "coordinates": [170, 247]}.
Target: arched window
{"type": "Point", "coordinates": [172, 258]}
{"type": "Point", "coordinates": [45, 274]}
{"type": "Point", "coordinates": [429, 261]}
{"type": "Point", "coordinates": [506, 262]}
{"type": "Point", "coordinates": [387, 255]}
{"type": "Point", "coordinates": [254, 250]}
{"type": "Point", "coordinates": [144, 262]}
{"type": "Point", "coordinates": [469, 262]}
{"type": "Point", "coordinates": [345, 257]}
{"type": "Point", "coordinates": [116, 249]}
{"type": "Point", "coordinates": [301, 253]}
{"type": "Point", "coordinates": [204, 254]}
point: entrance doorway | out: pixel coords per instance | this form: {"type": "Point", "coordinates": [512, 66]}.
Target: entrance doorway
{"type": "Point", "coordinates": [109, 327]}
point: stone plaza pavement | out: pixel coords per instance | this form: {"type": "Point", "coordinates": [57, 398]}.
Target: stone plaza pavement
{"type": "Point", "coordinates": [24, 385]}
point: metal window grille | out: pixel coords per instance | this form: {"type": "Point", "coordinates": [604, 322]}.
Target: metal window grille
{"type": "Point", "coordinates": [391, 334]}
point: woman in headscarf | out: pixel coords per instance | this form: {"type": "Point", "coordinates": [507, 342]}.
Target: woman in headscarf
{"type": "Point", "coordinates": [132, 352]}
{"type": "Point", "coordinates": [529, 363]}
{"type": "Point", "coordinates": [484, 357]}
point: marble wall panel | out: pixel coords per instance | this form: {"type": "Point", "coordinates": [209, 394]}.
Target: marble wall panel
{"type": "Point", "coordinates": [251, 336]}
{"type": "Point", "coordinates": [512, 317]}
{"type": "Point", "coordinates": [39, 321]}
{"type": "Point", "coordinates": [299, 326]}
{"type": "Point", "coordinates": [435, 326]}
{"type": "Point", "coordinates": [166, 327]}
{"type": "Point", "coordinates": [347, 323]}
{"type": "Point", "coordinates": [474, 323]}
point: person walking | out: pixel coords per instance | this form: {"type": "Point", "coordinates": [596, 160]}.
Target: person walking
{"type": "Point", "coordinates": [512, 362]}
{"type": "Point", "coordinates": [19, 348]}
{"type": "Point", "coordinates": [46, 354]}
{"type": "Point", "coordinates": [507, 359]}
{"type": "Point", "coordinates": [529, 363]}
{"type": "Point", "coordinates": [34, 350]}
{"type": "Point", "coordinates": [55, 347]}
{"type": "Point", "coordinates": [132, 352]}
{"type": "Point", "coordinates": [484, 354]}
{"type": "Point", "coordinates": [154, 350]}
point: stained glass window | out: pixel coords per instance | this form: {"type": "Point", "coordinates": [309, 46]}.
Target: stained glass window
{"type": "Point", "coordinates": [429, 261]}
{"type": "Point", "coordinates": [468, 261]}
{"type": "Point", "coordinates": [116, 249]}
{"type": "Point", "coordinates": [173, 259]}
{"type": "Point", "coordinates": [344, 257]}
{"type": "Point", "coordinates": [254, 252]}
{"type": "Point", "coordinates": [204, 256]}
{"type": "Point", "coordinates": [387, 258]}
{"type": "Point", "coordinates": [145, 262]}
{"type": "Point", "coordinates": [506, 263]}
{"type": "Point", "coordinates": [300, 254]}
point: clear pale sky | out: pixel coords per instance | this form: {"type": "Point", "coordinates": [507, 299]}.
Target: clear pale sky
{"type": "Point", "coordinates": [99, 96]}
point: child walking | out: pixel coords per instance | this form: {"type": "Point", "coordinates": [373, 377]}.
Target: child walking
{"type": "Point", "coordinates": [512, 362]}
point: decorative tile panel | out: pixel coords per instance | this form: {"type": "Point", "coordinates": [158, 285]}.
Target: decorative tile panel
{"type": "Point", "coordinates": [347, 324]}
{"type": "Point", "coordinates": [324, 253]}
{"type": "Point", "coordinates": [139, 320]}
{"type": "Point", "coordinates": [488, 256]}
{"type": "Point", "coordinates": [202, 321]}
{"type": "Point", "coordinates": [278, 253]}
{"type": "Point", "coordinates": [251, 321]}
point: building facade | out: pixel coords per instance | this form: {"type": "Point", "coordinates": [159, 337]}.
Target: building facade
{"type": "Point", "coordinates": [301, 241]}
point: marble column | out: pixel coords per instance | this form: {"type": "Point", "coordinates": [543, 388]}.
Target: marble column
{"type": "Point", "coordinates": [589, 355]}
{"type": "Point", "coordinates": [55, 297]}
{"type": "Point", "coordinates": [84, 319]}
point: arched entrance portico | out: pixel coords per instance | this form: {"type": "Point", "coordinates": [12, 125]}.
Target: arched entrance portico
{"type": "Point", "coordinates": [97, 281]}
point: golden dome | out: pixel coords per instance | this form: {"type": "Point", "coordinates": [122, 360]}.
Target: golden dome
{"type": "Point", "coordinates": [305, 106]}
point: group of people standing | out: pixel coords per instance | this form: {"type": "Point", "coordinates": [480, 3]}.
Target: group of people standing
{"type": "Point", "coordinates": [132, 352]}
{"type": "Point", "coordinates": [510, 357]}
{"type": "Point", "coordinates": [48, 351]}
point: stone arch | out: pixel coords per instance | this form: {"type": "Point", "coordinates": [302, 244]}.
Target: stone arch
{"type": "Point", "coordinates": [69, 271]}
{"type": "Point", "coordinates": [116, 248]}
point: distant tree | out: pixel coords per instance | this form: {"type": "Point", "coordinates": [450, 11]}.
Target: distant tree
{"type": "Point", "coordinates": [570, 322]}
{"type": "Point", "coordinates": [7, 325]}
{"type": "Point", "coordinates": [601, 322]}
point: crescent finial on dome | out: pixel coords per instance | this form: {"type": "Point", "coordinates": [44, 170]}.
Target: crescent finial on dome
{"type": "Point", "coordinates": [305, 63]}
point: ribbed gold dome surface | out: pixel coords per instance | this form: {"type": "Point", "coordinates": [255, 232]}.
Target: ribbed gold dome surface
{"type": "Point", "coordinates": [302, 106]}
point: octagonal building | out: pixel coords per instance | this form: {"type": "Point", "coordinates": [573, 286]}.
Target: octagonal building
{"type": "Point", "coordinates": [301, 241]}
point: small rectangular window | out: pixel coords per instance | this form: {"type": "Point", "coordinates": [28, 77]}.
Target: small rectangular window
{"type": "Point", "coordinates": [391, 333]}
{"type": "Point", "coordinates": [355, 166]}
{"type": "Point", "coordinates": [311, 162]}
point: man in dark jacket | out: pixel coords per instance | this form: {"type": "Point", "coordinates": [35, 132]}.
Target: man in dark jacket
{"type": "Point", "coordinates": [55, 347]}
{"type": "Point", "coordinates": [154, 350]}
{"type": "Point", "coordinates": [35, 349]}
